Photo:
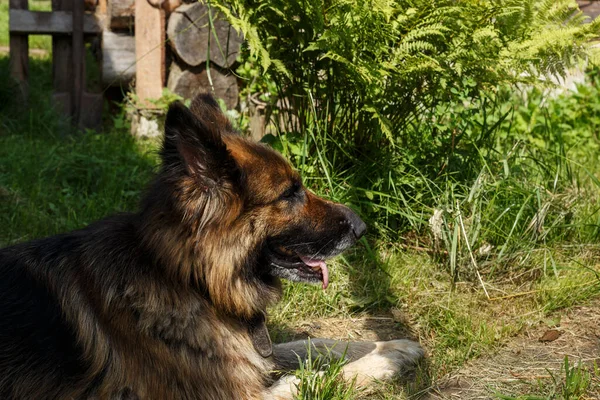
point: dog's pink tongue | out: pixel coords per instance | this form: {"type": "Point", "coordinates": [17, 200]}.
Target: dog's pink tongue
{"type": "Point", "coordinates": [311, 262]}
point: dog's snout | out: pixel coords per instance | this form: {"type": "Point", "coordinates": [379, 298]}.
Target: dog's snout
{"type": "Point", "coordinates": [356, 224]}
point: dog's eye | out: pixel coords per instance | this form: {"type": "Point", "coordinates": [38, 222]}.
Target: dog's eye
{"type": "Point", "coordinates": [291, 192]}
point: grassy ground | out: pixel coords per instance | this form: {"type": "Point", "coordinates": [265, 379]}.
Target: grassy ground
{"type": "Point", "coordinates": [52, 182]}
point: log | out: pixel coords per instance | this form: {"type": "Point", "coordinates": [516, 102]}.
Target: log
{"type": "Point", "coordinates": [118, 58]}
{"type": "Point", "coordinates": [191, 38]}
{"type": "Point", "coordinates": [188, 82]}
{"type": "Point", "coordinates": [589, 8]}
{"type": "Point", "coordinates": [121, 14]}
{"type": "Point", "coordinates": [91, 105]}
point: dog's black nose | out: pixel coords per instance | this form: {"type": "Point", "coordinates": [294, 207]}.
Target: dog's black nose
{"type": "Point", "coordinates": [357, 225]}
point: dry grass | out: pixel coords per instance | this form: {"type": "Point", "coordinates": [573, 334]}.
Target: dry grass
{"type": "Point", "coordinates": [527, 364]}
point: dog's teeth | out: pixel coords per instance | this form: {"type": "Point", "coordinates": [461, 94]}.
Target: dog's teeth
{"type": "Point", "coordinates": [285, 251]}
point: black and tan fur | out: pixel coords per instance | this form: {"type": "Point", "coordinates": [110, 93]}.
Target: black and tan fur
{"type": "Point", "coordinates": [169, 302]}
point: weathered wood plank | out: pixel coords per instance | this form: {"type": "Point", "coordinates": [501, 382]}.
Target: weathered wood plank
{"type": "Point", "coordinates": [149, 51]}
{"type": "Point", "coordinates": [193, 40]}
{"type": "Point", "coordinates": [91, 106]}
{"type": "Point", "coordinates": [118, 58]}
{"type": "Point", "coordinates": [19, 54]}
{"type": "Point", "coordinates": [62, 103]}
{"type": "Point", "coordinates": [62, 61]}
{"type": "Point", "coordinates": [78, 61]}
{"type": "Point", "coordinates": [48, 23]}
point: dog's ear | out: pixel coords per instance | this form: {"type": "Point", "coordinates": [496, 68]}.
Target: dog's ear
{"type": "Point", "coordinates": [206, 109]}
{"type": "Point", "coordinates": [197, 144]}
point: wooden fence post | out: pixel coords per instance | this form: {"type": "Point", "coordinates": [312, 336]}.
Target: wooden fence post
{"type": "Point", "coordinates": [68, 67]}
{"type": "Point", "coordinates": [62, 61]}
{"type": "Point", "coordinates": [78, 61]}
{"type": "Point", "coordinates": [149, 51]}
{"type": "Point", "coordinates": [19, 54]}
{"type": "Point", "coordinates": [68, 17]}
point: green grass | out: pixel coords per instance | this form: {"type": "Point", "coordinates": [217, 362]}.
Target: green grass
{"type": "Point", "coordinates": [4, 38]}
{"type": "Point", "coordinates": [43, 42]}
{"type": "Point", "coordinates": [474, 249]}
{"type": "Point", "coordinates": [52, 184]}
{"type": "Point", "coordinates": [53, 181]}
{"type": "Point", "coordinates": [572, 383]}
{"type": "Point", "coordinates": [455, 322]}
{"type": "Point", "coordinates": [320, 379]}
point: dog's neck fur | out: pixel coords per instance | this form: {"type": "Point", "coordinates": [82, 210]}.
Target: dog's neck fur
{"type": "Point", "coordinates": [187, 259]}
{"type": "Point", "coordinates": [178, 329]}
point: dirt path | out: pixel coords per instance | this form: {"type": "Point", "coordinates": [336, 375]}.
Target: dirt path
{"type": "Point", "coordinates": [532, 359]}
{"type": "Point", "coordinates": [525, 364]}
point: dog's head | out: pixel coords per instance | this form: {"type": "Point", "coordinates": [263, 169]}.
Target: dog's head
{"type": "Point", "coordinates": [236, 216]}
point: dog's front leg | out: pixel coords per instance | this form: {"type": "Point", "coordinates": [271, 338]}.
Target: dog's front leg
{"type": "Point", "coordinates": [285, 388]}
{"type": "Point", "coordinates": [367, 361]}
{"type": "Point", "coordinates": [287, 356]}
{"type": "Point", "coordinates": [385, 361]}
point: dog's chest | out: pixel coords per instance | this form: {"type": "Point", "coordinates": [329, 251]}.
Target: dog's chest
{"type": "Point", "coordinates": [190, 354]}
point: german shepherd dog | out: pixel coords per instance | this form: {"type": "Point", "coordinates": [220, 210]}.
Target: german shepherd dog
{"type": "Point", "coordinates": [169, 302]}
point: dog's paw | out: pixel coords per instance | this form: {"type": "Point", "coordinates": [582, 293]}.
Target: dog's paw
{"type": "Point", "coordinates": [285, 388]}
{"type": "Point", "coordinates": [403, 352]}
{"type": "Point", "coordinates": [386, 361]}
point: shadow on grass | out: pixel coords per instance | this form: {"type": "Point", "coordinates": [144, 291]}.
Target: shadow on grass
{"type": "Point", "coordinates": [372, 292]}
{"type": "Point", "coordinates": [52, 182]}
{"type": "Point", "coordinates": [361, 303]}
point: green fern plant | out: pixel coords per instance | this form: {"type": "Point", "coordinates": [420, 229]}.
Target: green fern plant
{"type": "Point", "coordinates": [371, 65]}
{"type": "Point", "coordinates": [387, 102]}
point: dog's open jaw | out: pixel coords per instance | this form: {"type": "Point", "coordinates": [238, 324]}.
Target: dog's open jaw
{"type": "Point", "coordinates": [296, 267]}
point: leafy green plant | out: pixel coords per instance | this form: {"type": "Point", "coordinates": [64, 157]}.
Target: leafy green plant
{"type": "Point", "coordinates": [369, 67]}
{"type": "Point", "coordinates": [389, 102]}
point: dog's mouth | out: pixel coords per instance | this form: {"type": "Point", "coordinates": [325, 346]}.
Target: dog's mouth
{"type": "Point", "coordinates": [294, 266]}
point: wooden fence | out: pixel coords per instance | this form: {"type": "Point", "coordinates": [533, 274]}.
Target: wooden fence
{"type": "Point", "coordinates": [67, 23]}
